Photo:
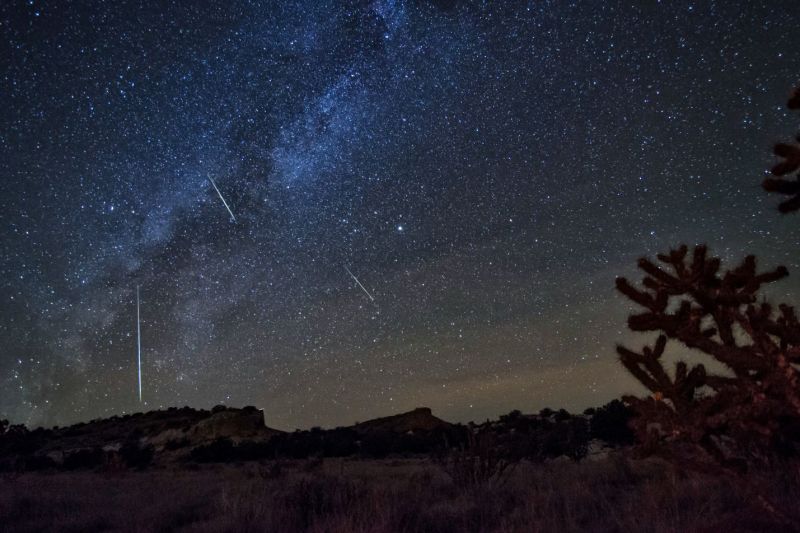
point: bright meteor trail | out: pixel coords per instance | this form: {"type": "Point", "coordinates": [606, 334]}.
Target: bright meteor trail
{"type": "Point", "coordinates": [420, 143]}
{"type": "Point", "coordinates": [359, 284]}
{"type": "Point", "coordinates": [139, 343]}
{"type": "Point", "coordinates": [221, 198]}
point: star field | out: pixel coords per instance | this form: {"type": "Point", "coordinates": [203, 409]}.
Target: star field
{"type": "Point", "coordinates": [485, 170]}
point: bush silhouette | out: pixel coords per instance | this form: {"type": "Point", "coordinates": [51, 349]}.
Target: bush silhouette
{"type": "Point", "coordinates": [39, 462]}
{"type": "Point", "coordinates": [219, 451]}
{"type": "Point", "coordinates": [790, 153]}
{"type": "Point", "coordinates": [729, 419]}
{"type": "Point", "coordinates": [135, 455]}
{"type": "Point", "coordinates": [84, 459]}
{"type": "Point", "coordinates": [569, 437]}
{"type": "Point", "coordinates": [610, 424]}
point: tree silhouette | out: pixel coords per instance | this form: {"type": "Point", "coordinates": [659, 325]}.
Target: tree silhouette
{"type": "Point", "coordinates": [725, 422]}
{"type": "Point", "coordinates": [790, 153]}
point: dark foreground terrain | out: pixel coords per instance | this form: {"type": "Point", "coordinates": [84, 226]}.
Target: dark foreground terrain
{"type": "Point", "coordinates": [225, 470]}
{"type": "Point", "coordinates": [607, 493]}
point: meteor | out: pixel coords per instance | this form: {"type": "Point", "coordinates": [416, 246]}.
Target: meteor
{"type": "Point", "coordinates": [221, 198]}
{"type": "Point", "coordinates": [359, 284]}
{"type": "Point", "coordinates": [139, 343]}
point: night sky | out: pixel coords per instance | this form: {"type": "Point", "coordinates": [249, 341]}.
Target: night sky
{"type": "Point", "coordinates": [484, 169]}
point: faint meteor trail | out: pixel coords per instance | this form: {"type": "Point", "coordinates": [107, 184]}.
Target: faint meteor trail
{"type": "Point", "coordinates": [221, 198]}
{"type": "Point", "coordinates": [139, 343]}
{"type": "Point", "coordinates": [359, 284]}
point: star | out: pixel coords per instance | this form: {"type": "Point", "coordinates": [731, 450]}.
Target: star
{"type": "Point", "coordinates": [485, 172]}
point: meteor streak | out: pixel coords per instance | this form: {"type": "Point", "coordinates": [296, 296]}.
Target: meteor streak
{"type": "Point", "coordinates": [221, 198]}
{"type": "Point", "coordinates": [359, 284]}
{"type": "Point", "coordinates": [139, 343]}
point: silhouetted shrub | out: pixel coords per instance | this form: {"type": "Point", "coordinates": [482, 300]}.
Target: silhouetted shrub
{"type": "Point", "coordinates": [135, 455]}
{"type": "Point", "coordinates": [726, 423]}
{"type": "Point", "coordinates": [478, 463]}
{"type": "Point", "coordinates": [569, 438]}
{"type": "Point", "coordinates": [718, 419]}
{"type": "Point", "coordinates": [17, 440]}
{"type": "Point", "coordinates": [176, 444]}
{"type": "Point", "coordinates": [84, 459]}
{"type": "Point", "coordinates": [39, 462]}
{"type": "Point", "coordinates": [218, 451]}
{"type": "Point", "coordinates": [511, 417]}
{"type": "Point", "coordinates": [611, 423]}
{"type": "Point", "coordinates": [340, 442]}
{"type": "Point", "coordinates": [562, 415]}
{"type": "Point", "coordinates": [377, 444]}
{"type": "Point", "coordinates": [252, 451]}
{"type": "Point", "coordinates": [790, 153]}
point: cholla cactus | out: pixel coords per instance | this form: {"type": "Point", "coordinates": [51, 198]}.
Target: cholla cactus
{"type": "Point", "coordinates": [790, 153]}
{"type": "Point", "coordinates": [717, 420]}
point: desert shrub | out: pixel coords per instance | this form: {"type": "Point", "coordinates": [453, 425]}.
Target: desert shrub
{"type": "Point", "coordinates": [790, 153]}
{"type": "Point", "coordinates": [176, 444]}
{"type": "Point", "coordinates": [311, 499]}
{"type": "Point", "coordinates": [340, 442]}
{"type": "Point", "coordinates": [18, 440]}
{"type": "Point", "coordinates": [729, 423]}
{"type": "Point", "coordinates": [313, 464]}
{"type": "Point", "coordinates": [223, 450]}
{"type": "Point", "coordinates": [220, 450]}
{"type": "Point", "coordinates": [84, 459]}
{"type": "Point", "coordinates": [280, 446]}
{"type": "Point", "coordinates": [272, 470]}
{"type": "Point", "coordinates": [511, 417]}
{"type": "Point", "coordinates": [377, 444]}
{"type": "Point", "coordinates": [562, 415]}
{"type": "Point", "coordinates": [727, 419]}
{"type": "Point", "coordinates": [478, 463]}
{"type": "Point", "coordinates": [569, 438]}
{"type": "Point", "coordinates": [611, 424]}
{"type": "Point", "coordinates": [416, 443]}
{"type": "Point", "coordinates": [135, 455]}
{"type": "Point", "coordinates": [248, 450]}
{"type": "Point", "coordinates": [39, 462]}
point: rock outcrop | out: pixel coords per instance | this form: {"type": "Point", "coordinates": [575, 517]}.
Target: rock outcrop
{"type": "Point", "coordinates": [235, 424]}
{"type": "Point", "coordinates": [173, 431]}
{"type": "Point", "coordinates": [420, 419]}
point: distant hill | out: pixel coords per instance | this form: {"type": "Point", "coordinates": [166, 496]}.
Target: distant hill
{"type": "Point", "coordinates": [420, 419]}
{"type": "Point", "coordinates": [160, 427]}
{"type": "Point", "coordinates": [226, 434]}
{"type": "Point", "coordinates": [164, 434]}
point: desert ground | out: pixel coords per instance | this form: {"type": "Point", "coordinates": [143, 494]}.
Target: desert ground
{"type": "Point", "coordinates": [612, 493]}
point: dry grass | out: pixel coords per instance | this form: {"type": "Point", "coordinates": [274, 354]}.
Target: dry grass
{"type": "Point", "coordinates": [380, 496]}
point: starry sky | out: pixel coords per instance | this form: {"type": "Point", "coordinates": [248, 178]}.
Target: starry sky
{"type": "Point", "coordinates": [484, 169]}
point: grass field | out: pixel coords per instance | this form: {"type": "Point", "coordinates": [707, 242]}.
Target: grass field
{"type": "Point", "coordinates": [612, 494]}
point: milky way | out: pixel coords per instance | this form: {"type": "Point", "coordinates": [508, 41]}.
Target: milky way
{"type": "Point", "coordinates": [484, 169]}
